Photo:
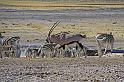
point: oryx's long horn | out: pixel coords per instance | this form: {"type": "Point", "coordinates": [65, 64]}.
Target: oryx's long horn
{"type": "Point", "coordinates": [52, 28]}
{"type": "Point", "coordinates": [54, 25]}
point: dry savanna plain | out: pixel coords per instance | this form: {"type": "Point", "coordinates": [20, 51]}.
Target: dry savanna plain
{"type": "Point", "coordinates": [31, 20]}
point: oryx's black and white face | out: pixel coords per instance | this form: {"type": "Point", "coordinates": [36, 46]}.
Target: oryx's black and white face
{"type": "Point", "coordinates": [48, 40]}
{"type": "Point", "coordinates": [51, 37]}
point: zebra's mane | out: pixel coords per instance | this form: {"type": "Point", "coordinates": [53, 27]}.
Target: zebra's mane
{"type": "Point", "coordinates": [104, 36]}
{"type": "Point", "coordinates": [11, 40]}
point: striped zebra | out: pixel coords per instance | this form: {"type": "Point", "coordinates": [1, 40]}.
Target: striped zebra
{"type": "Point", "coordinates": [104, 40]}
{"type": "Point", "coordinates": [50, 50]}
{"type": "Point", "coordinates": [10, 45]}
{"type": "Point", "coordinates": [33, 52]}
{"type": "Point", "coordinates": [1, 43]}
{"type": "Point", "coordinates": [74, 50]}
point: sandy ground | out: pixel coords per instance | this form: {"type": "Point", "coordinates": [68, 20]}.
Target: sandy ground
{"type": "Point", "coordinates": [91, 69]}
{"type": "Point", "coordinates": [33, 26]}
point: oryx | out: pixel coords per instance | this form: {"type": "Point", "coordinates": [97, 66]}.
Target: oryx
{"type": "Point", "coordinates": [104, 40]}
{"type": "Point", "coordinates": [62, 39]}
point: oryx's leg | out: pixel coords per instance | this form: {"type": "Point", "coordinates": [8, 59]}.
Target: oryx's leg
{"type": "Point", "coordinates": [62, 51]}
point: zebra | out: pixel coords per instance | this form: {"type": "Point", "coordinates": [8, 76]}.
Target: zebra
{"type": "Point", "coordinates": [1, 43]}
{"type": "Point", "coordinates": [74, 50]}
{"type": "Point", "coordinates": [33, 52]}
{"type": "Point", "coordinates": [104, 40]}
{"type": "Point", "coordinates": [9, 46]}
{"type": "Point", "coordinates": [62, 40]}
{"type": "Point", "coordinates": [50, 50]}
{"type": "Point", "coordinates": [71, 50]}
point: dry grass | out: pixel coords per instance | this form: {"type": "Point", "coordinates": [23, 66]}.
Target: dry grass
{"type": "Point", "coordinates": [88, 27]}
{"type": "Point", "coordinates": [50, 5]}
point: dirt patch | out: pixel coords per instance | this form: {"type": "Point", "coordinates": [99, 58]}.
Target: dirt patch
{"type": "Point", "coordinates": [60, 70]}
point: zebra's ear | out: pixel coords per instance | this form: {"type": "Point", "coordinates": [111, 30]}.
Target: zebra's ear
{"type": "Point", "coordinates": [47, 41]}
{"type": "Point", "coordinates": [110, 33]}
{"type": "Point", "coordinates": [84, 36]}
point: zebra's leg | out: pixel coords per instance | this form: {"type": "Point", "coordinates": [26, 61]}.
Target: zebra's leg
{"type": "Point", "coordinates": [111, 46]}
{"type": "Point", "coordinates": [28, 53]}
{"type": "Point", "coordinates": [0, 51]}
{"type": "Point", "coordinates": [1, 54]}
{"type": "Point", "coordinates": [43, 55]}
{"type": "Point", "coordinates": [33, 54]}
{"type": "Point", "coordinates": [61, 54]}
{"type": "Point", "coordinates": [72, 52]}
{"type": "Point", "coordinates": [106, 48]}
{"type": "Point", "coordinates": [59, 51]}
{"type": "Point", "coordinates": [56, 53]}
{"type": "Point", "coordinates": [82, 48]}
{"type": "Point", "coordinates": [99, 49]}
{"type": "Point", "coordinates": [13, 51]}
{"type": "Point", "coordinates": [18, 53]}
{"type": "Point", "coordinates": [77, 50]}
{"type": "Point", "coordinates": [85, 51]}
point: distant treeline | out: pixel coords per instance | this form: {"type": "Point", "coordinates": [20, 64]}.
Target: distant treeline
{"type": "Point", "coordinates": [88, 1]}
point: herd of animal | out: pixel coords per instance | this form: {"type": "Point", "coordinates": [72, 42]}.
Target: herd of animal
{"type": "Point", "coordinates": [57, 45]}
